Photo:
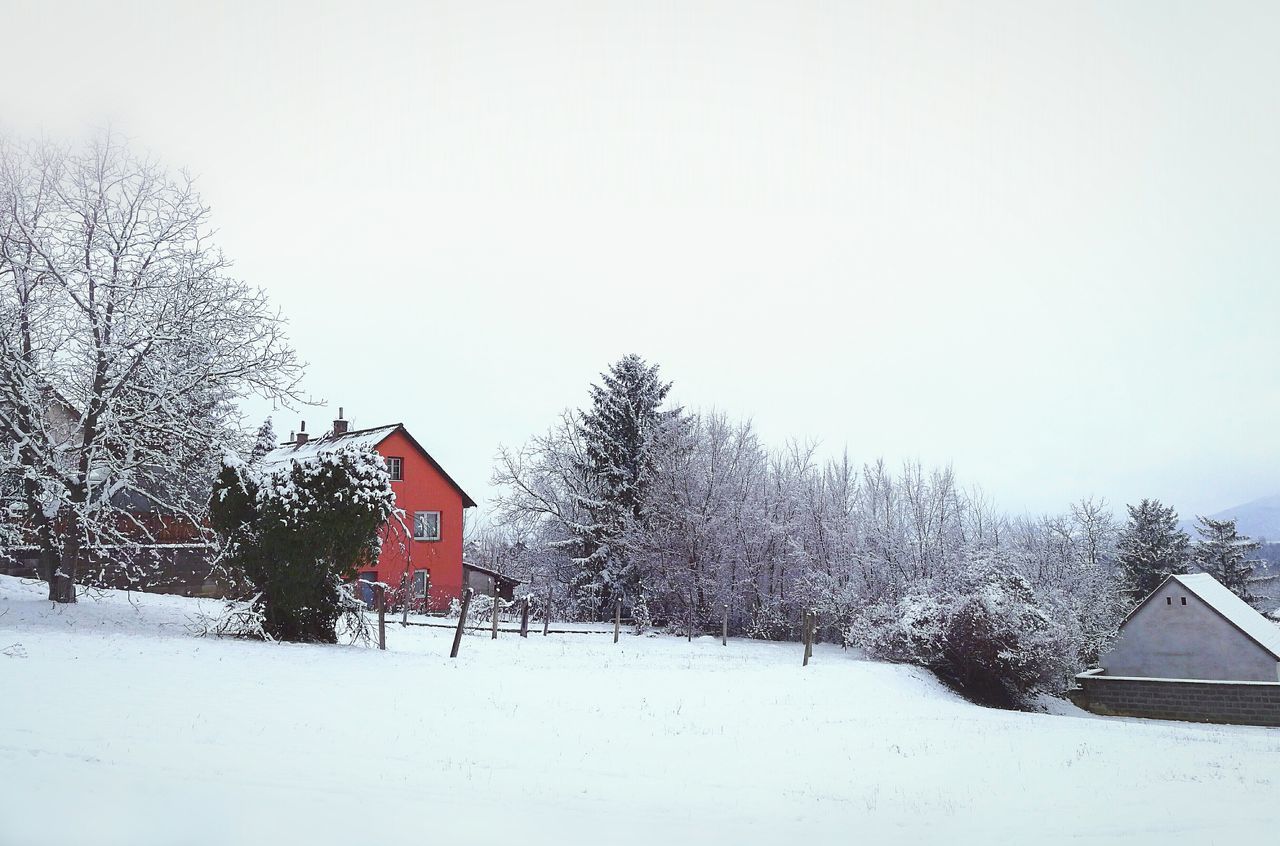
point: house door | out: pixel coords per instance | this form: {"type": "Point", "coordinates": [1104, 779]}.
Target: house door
{"type": "Point", "coordinates": [422, 588]}
{"type": "Point", "coordinates": [366, 587]}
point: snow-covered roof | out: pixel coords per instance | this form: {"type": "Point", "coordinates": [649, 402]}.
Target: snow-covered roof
{"type": "Point", "coordinates": [328, 443]}
{"type": "Point", "coordinates": [295, 452]}
{"type": "Point", "coordinates": [488, 571]}
{"type": "Point", "coordinates": [1235, 610]}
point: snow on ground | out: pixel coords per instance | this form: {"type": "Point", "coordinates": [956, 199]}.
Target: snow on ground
{"type": "Point", "coordinates": [119, 727]}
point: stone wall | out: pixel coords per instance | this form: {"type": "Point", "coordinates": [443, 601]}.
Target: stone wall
{"type": "Point", "coordinates": [1245, 703]}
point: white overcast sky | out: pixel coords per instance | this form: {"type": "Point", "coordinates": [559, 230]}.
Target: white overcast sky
{"type": "Point", "coordinates": [1039, 241]}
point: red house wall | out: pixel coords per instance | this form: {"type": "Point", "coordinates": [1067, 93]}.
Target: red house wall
{"type": "Point", "coordinates": [423, 489]}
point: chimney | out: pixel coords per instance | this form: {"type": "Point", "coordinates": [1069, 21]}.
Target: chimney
{"type": "Point", "coordinates": [340, 425]}
{"type": "Point", "coordinates": [302, 434]}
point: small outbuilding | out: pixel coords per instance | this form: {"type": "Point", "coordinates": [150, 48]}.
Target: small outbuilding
{"type": "Point", "coordinates": [1192, 627]}
{"type": "Point", "coordinates": [489, 582]}
{"type": "Point", "coordinates": [1192, 650]}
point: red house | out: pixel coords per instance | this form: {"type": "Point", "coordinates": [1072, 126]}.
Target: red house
{"type": "Point", "coordinates": [426, 550]}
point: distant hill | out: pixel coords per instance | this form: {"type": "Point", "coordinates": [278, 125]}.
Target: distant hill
{"type": "Point", "coordinates": [1257, 519]}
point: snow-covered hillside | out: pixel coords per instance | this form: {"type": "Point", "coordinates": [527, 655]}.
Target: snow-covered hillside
{"type": "Point", "coordinates": [118, 727]}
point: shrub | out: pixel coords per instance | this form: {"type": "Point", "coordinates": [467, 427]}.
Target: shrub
{"type": "Point", "coordinates": [982, 633]}
{"type": "Point", "coordinates": [909, 631]}
{"type": "Point", "coordinates": [299, 531]}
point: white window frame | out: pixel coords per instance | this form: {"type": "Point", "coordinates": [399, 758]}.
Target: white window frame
{"type": "Point", "coordinates": [425, 575]}
{"type": "Point", "coordinates": [419, 537]}
{"type": "Point", "coordinates": [399, 465]}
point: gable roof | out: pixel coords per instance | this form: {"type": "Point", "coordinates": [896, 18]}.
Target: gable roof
{"type": "Point", "coordinates": [1235, 610]}
{"type": "Point", "coordinates": [488, 571]}
{"type": "Point", "coordinates": [1242, 616]}
{"type": "Point", "coordinates": [293, 451]}
{"type": "Point", "coordinates": [361, 437]}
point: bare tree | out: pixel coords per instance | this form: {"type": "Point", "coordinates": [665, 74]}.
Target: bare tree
{"type": "Point", "coordinates": [124, 343]}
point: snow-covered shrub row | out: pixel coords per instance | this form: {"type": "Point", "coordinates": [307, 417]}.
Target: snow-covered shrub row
{"type": "Point", "coordinates": [299, 532]}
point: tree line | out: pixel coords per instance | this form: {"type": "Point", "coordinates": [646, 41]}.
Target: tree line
{"type": "Point", "coordinates": [678, 514]}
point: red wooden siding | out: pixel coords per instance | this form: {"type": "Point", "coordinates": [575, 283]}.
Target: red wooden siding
{"type": "Point", "coordinates": [423, 488]}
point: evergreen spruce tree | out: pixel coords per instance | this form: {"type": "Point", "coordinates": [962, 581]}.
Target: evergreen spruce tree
{"type": "Point", "coordinates": [1151, 547]}
{"type": "Point", "coordinates": [623, 434]}
{"type": "Point", "coordinates": [1223, 553]}
{"type": "Point", "coordinates": [264, 442]}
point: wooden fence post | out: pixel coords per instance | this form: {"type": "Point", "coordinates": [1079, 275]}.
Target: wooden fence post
{"type": "Point", "coordinates": [546, 612]}
{"type": "Point", "coordinates": [804, 637]}
{"type": "Point", "coordinates": [404, 599]}
{"type": "Point", "coordinates": [813, 630]}
{"type": "Point", "coordinates": [524, 617]}
{"type": "Point", "coordinates": [617, 619]}
{"type": "Point", "coordinates": [495, 610]}
{"type": "Point", "coordinates": [382, 616]}
{"type": "Point", "coordinates": [808, 636]}
{"type": "Point", "coordinates": [724, 626]}
{"type": "Point", "coordinates": [462, 622]}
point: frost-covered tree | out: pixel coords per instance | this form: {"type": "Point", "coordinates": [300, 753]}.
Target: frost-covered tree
{"type": "Point", "coordinates": [124, 343]}
{"type": "Point", "coordinates": [775, 532]}
{"type": "Point", "coordinates": [263, 442]}
{"type": "Point", "coordinates": [625, 435]}
{"type": "Point", "coordinates": [1070, 559]}
{"type": "Point", "coordinates": [1225, 554]}
{"type": "Point", "coordinates": [1151, 547]}
{"type": "Point", "coordinates": [541, 489]}
{"type": "Point", "coordinates": [300, 530]}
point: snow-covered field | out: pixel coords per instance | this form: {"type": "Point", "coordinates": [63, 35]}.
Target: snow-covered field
{"type": "Point", "coordinates": [118, 727]}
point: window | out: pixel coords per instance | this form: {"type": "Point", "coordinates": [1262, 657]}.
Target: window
{"type": "Point", "coordinates": [426, 525]}
{"type": "Point", "coordinates": [1184, 600]}
{"type": "Point", "coordinates": [420, 582]}
{"type": "Point", "coordinates": [395, 466]}
{"type": "Point", "coordinates": [1168, 600]}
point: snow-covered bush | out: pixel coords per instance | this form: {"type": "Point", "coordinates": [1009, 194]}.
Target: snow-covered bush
{"type": "Point", "coordinates": [353, 623]}
{"type": "Point", "coordinates": [482, 608]}
{"type": "Point", "coordinates": [999, 646]}
{"type": "Point", "coordinates": [234, 618]}
{"type": "Point", "coordinates": [479, 609]}
{"type": "Point", "coordinates": [769, 622]}
{"type": "Point", "coordinates": [908, 631]}
{"type": "Point", "coordinates": [982, 632]}
{"type": "Point", "coordinates": [300, 531]}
